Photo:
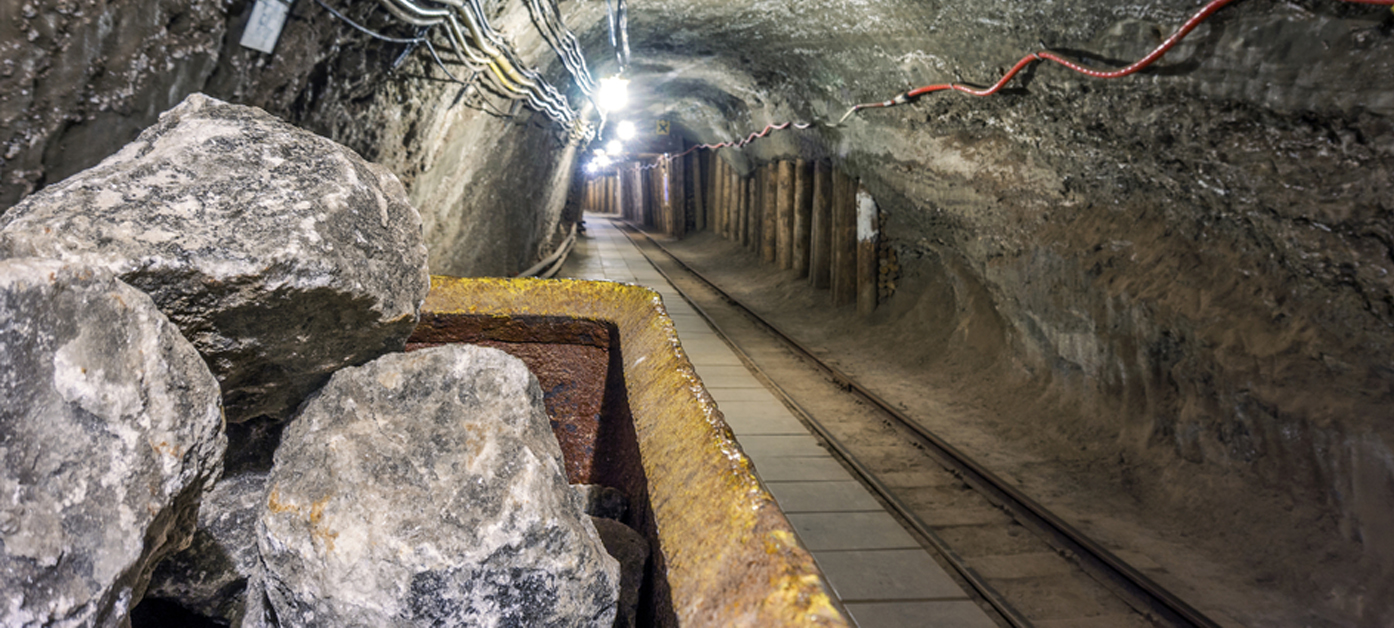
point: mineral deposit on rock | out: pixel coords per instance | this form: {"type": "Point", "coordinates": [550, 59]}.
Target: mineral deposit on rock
{"type": "Point", "coordinates": [110, 431]}
{"type": "Point", "coordinates": [282, 255]}
{"type": "Point", "coordinates": [427, 489]}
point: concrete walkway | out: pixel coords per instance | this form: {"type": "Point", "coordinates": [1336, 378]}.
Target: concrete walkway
{"type": "Point", "coordinates": [877, 569]}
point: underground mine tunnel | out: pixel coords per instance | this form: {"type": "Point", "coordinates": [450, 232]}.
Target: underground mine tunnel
{"type": "Point", "coordinates": [1059, 313]}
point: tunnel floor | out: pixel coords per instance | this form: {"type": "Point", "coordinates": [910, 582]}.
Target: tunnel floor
{"type": "Point", "coordinates": [878, 571]}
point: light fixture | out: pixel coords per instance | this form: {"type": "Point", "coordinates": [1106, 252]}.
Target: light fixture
{"type": "Point", "coordinates": [613, 94]}
{"type": "Point", "coordinates": [626, 130]}
{"type": "Point", "coordinates": [614, 147]}
{"type": "Point", "coordinates": [602, 161]}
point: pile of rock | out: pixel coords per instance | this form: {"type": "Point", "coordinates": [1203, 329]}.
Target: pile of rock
{"type": "Point", "coordinates": [225, 262]}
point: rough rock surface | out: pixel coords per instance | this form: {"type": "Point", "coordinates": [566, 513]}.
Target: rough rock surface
{"type": "Point", "coordinates": [631, 549]}
{"type": "Point", "coordinates": [110, 431]}
{"type": "Point", "coordinates": [210, 576]}
{"type": "Point", "coordinates": [427, 489]}
{"type": "Point", "coordinates": [282, 255]}
{"type": "Point", "coordinates": [603, 501]}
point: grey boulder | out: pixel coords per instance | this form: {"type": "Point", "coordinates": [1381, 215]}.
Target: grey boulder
{"type": "Point", "coordinates": [110, 431]}
{"type": "Point", "coordinates": [631, 549]}
{"type": "Point", "coordinates": [427, 489]}
{"type": "Point", "coordinates": [209, 578]}
{"type": "Point", "coordinates": [281, 255]}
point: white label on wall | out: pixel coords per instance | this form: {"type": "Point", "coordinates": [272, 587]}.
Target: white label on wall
{"type": "Point", "coordinates": [866, 216]}
{"type": "Point", "coordinates": [268, 16]}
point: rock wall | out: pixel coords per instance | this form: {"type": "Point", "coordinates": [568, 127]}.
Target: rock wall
{"type": "Point", "coordinates": [80, 78]}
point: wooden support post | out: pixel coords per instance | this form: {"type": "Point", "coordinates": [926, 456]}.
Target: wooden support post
{"type": "Point", "coordinates": [752, 212]}
{"type": "Point", "coordinates": [663, 191]}
{"type": "Point", "coordinates": [868, 241]}
{"type": "Point", "coordinates": [733, 204]}
{"type": "Point", "coordinates": [769, 223]}
{"type": "Point", "coordinates": [621, 197]}
{"type": "Point", "coordinates": [803, 208]}
{"type": "Point", "coordinates": [737, 207]}
{"type": "Point", "coordinates": [844, 239]}
{"type": "Point", "coordinates": [699, 191]}
{"type": "Point", "coordinates": [681, 208]}
{"type": "Point", "coordinates": [739, 199]}
{"type": "Point", "coordinates": [784, 218]}
{"type": "Point", "coordinates": [820, 228]}
{"type": "Point", "coordinates": [650, 199]}
{"type": "Point", "coordinates": [757, 226]}
{"type": "Point", "coordinates": [626, 203]}
{"type": "Point", "coordinates": [748, 189]}
{"type": "Point", "coordinates": [723, 196]}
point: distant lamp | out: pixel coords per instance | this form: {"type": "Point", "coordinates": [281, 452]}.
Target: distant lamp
{"type": "Point", "coordinates": [614, 147]}
{"type": "Point", "coordinates": [613, 94]}
{"type": "Point", "coordinates": [602, 162]}
{"type": "Point", "coordinates": [626, 130]}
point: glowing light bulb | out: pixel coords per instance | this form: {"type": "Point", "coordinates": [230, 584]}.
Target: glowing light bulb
{"type": "Point", "coordinates": [626, 130]}
{"type": "Point", "coordinates": [613, 94]}
{"type": "Point", "coordinates": [614, 147]}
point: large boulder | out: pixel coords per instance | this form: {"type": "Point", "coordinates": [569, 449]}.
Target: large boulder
{"type": "Point", "coordinates": [110, 431]}
{"type": "Point", "coordinates": [426, 488]}
{"type": "Point", "coordinates": [282, 255]}
{"type": "Point", "coordinates": [209, 578]}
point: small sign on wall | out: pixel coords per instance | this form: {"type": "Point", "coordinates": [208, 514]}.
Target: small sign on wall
{"type": "Point", "coordinates": [264, 28]}
{"type": "Point", "coordinates": [663, 127]}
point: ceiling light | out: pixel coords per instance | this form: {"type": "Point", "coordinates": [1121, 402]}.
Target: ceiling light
{"type": "Point", "coordinates": [614, 147]}
{"type": "Point", "coordinates": [613, 94]}
{"type": "Point", "coordinates": [626, 130]}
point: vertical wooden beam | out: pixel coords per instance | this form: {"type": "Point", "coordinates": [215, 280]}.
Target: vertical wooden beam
{"type": "Point", "coordinates": [758, 226]}
{"type": "Point", "coordinates": [681, 207]}
{"type": "Point", "coordinates": [752, 213]}
{"type": "Point", "coordinates": [607, 194]}
{"type": "Point", "coordinates": [784, 218]}
{"type": "Point", "coordinates": [651, 199]}
{"type": "Point", "coordinates": [868, 240]}
{"type": "Point", "coordinates": [820, 228]}
{"type": "Point", "coordinates": [748, 189]}
{"type": "Point", "coordinates": [663, 189]}
{"type": "Point", "coordinates": [733, 197]}
{"type": "Point", "coordinates": [699, 190]}
{"type": "Point", "coordinates": [844, 239]}
{"type": "Point", "coordinates": [769, 218]}
{"type": "Point", "coordinates": [803, 212]}
{"type": "Point", "coordinates": [723, 196]}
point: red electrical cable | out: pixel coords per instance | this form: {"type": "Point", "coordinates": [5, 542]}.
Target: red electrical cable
{"type": "Point", "coordinates": [1045, 55]}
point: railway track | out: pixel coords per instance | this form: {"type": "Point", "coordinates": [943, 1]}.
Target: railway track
{"type": "Point", "coordinates": [1032, 567]}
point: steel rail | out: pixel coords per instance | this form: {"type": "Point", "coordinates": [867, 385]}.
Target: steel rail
{"type": "Point", "coordinates": [843, 453]}
{"type": "Point", "coordinates": [1140, 592]}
